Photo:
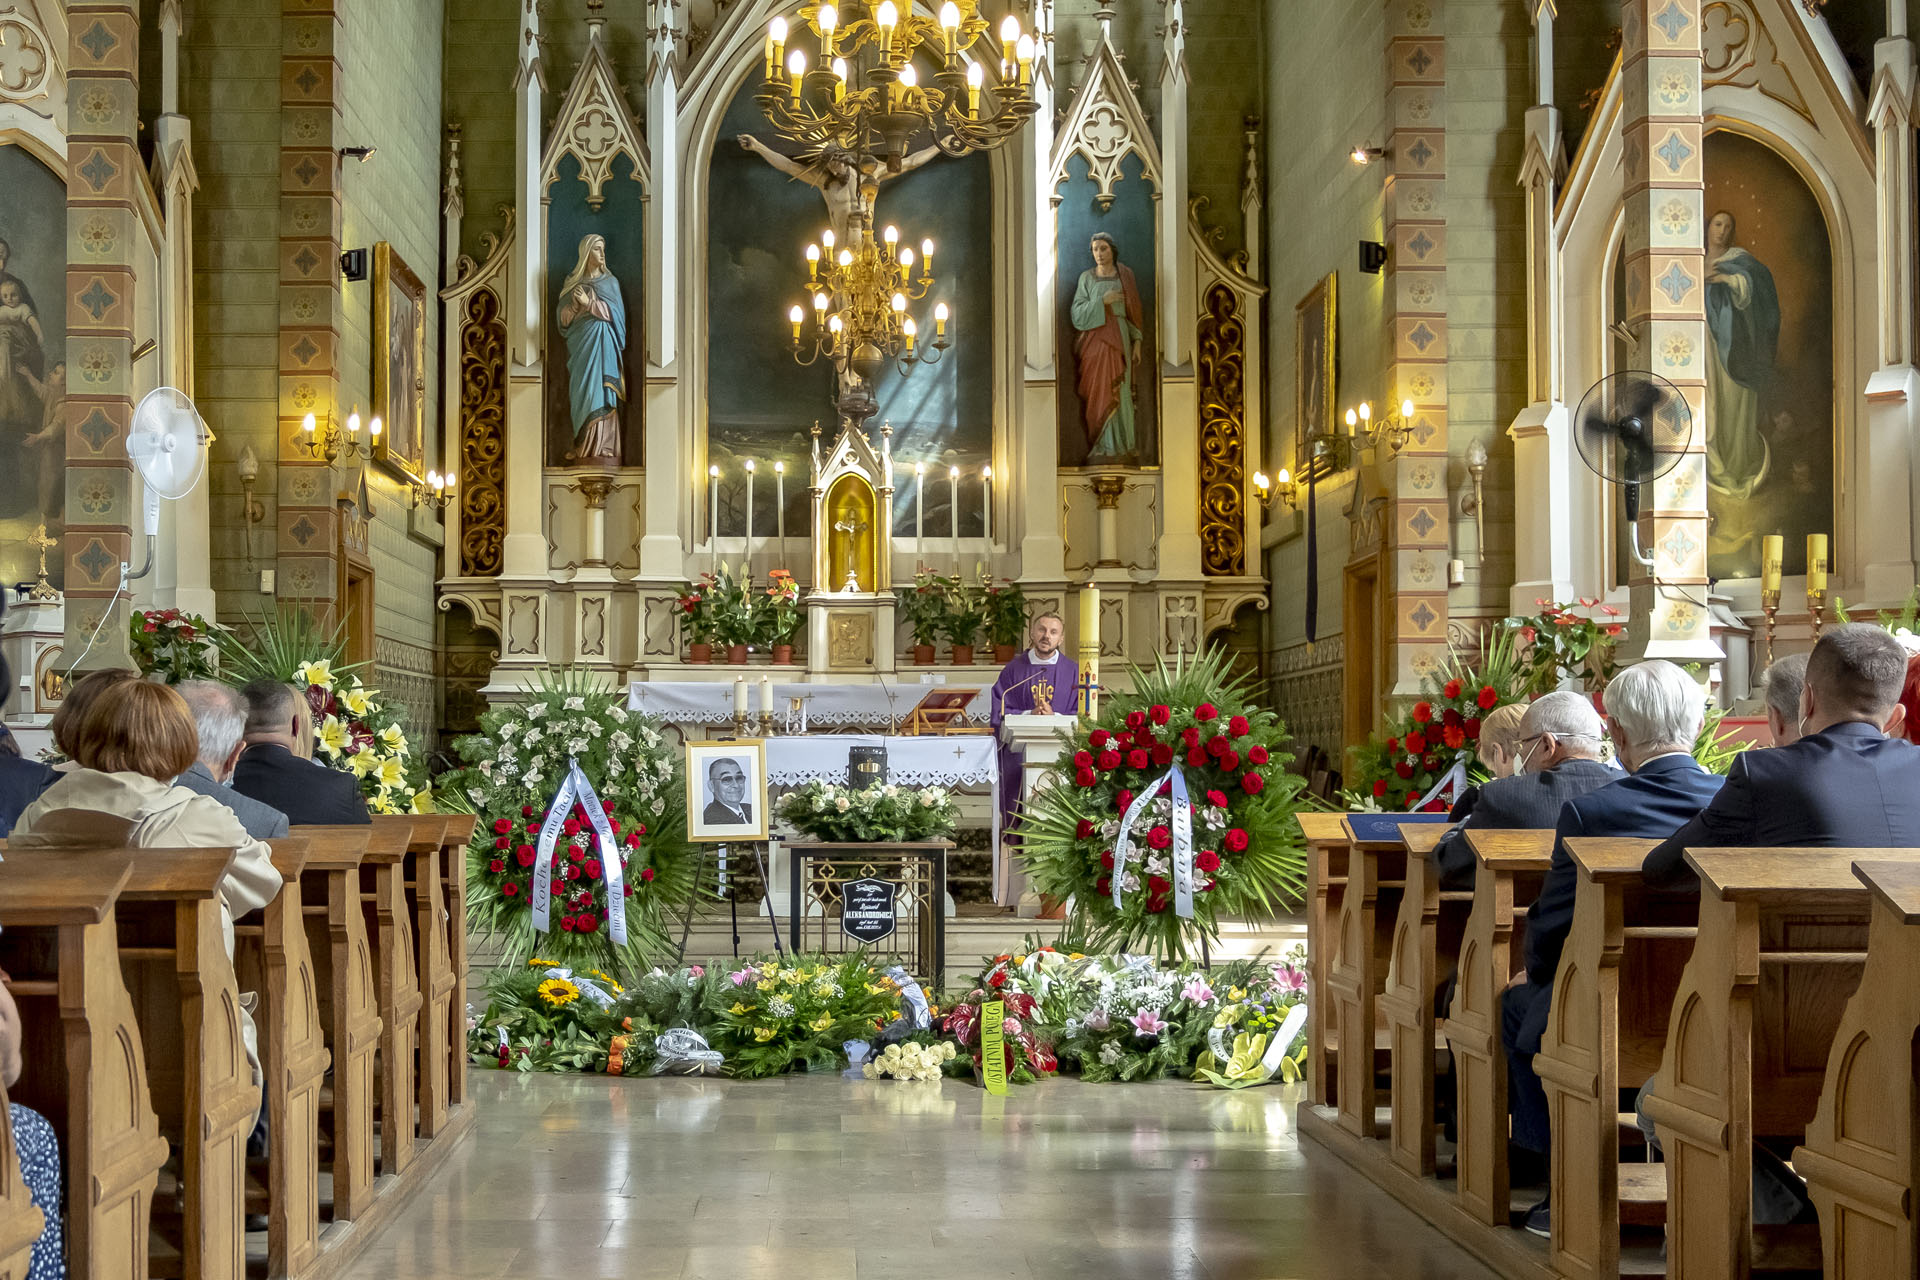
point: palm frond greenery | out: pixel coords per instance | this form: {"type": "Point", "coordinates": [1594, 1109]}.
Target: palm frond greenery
{"type": "Point", "coordinates": [274, 646]}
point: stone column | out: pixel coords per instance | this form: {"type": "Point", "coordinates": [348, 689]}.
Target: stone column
{"type": "Point", "coordinates": [1890, 544]}
{"type": "Point", "coordinates": [524, 549]}
{"type": "Point", "coordinates": [662, 555]}
{"type": "Point", "coordinates": [1666, 297]}
{"type": "Point", "coordinates": [1180, 556]}
{"type": "Point", "coordinates": [1033, 471]}
{"type": "Point", "coordinates": [104, 498]}
{"type": "Point", "coordinates": [1416, 310]}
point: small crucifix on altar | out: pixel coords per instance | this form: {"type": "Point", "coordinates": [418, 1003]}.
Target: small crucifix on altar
{"type": "Point", "coordinates": [850, 525]}
{"type": "Point", "coordinates": [42, 592]}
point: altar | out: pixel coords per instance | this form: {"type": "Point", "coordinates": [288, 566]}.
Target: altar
{"type": "Point", "coordinates": [796, 707]}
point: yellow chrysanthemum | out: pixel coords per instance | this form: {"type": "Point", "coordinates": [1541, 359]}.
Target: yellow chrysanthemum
{"type": "Point", "coordinates": [333, 736]}
{"type": "Point", "coordinates": [357, 701]}
{"type": "Point", "coordinates": [737, 1009]}
{"type": "Point", "coordinates": [315, 673]}
{"type": "Point", "coordinates": [763, 1034]}
{"type": "Point", "coordinates": [558, 992]}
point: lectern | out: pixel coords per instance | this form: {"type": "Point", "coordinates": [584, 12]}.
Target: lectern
{"type": "Point", "coordinates": [1039, 739]}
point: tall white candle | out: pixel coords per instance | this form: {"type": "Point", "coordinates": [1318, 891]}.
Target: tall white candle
{"type": "Point", "coordinates": [919, 512]}
{"type": "Point", "coordinates": [713, 513]}
{"type": "Point", "coordinates": [953, 513]}
{"type": "Point", "coordinates": [986, 506]}
{"type": "Point", "coordinates": [740, 697]}
{"type": "Point", "coordinates": [766, 695]}
{"type": "Point", "coordinates": [780, 509]}
{"type": "Point", "coordinates": [749, 556]}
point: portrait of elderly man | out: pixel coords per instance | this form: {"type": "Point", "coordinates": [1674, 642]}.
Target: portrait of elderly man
{"type": "Point", "coordinates": [727, 803]}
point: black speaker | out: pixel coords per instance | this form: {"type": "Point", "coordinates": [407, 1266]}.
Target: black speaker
{"type": "Point", "coordinates": [353, 264]}
{"type": "Point", "coordinates": [1373, 256]}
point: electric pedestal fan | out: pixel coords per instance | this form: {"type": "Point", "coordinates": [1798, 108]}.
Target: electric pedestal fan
{"type": "Point", "coordinates": [167, 443]}
{"type": "Point", "coordinates": [1631, 428]}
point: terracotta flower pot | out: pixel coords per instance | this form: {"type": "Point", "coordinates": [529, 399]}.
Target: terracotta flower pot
{"type": "Point", "coordinates": [736, 655]}
{"type": "Point", "coordinates": [700, 653]}
{"type": "Point", "coordinates": [1003, 653]}
{"type": "Point", "coordinates": [923, 655]}
{"type": "Point", "coordinates": [783, 655]}
{"type": "Point", "coordinates": [963, 655]}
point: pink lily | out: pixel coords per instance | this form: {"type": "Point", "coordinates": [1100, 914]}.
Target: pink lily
{"type": "Point", "coordinates": [1147, 1023]}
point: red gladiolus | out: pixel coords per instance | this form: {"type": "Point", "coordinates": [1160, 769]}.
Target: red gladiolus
{"type": "Point", "coordinates": [1488, 698]}
{"type": "Point", "coordinates": [510, 889]}
{"type": "Point", "coordinates": [524, 855]}
{"type": "Point", "coordinates": [1136, 719]}
{"type": "Point", "coordinates": [1235, 840]}
{"type": "Point", "coordinates": [1453, 688]}
{"type": "Point", "coordinates": [502, 825]}
{"type": "Point", "coordinates": [1454, 737]}
{"type": "Point", "coordinates": [1238, 727]}
{"type": "Point", "coordinates": [1471, 727]}
{"type": "Point", "coordinates": [1138, 759]}
{"type": "Point", "coordinates": [1098, 738]}
{"type": "Point", "coordinates": [1108, 761]}
{"type": "Point", "coordinates": [1422, 712]}
{"type": "Point", "coordinates": [1230, 761]}
{"type": "Point", "coordinates": [1416, 743]}
{"type": "Point", "coordinates": [1403, 767]}
{"type": "Point", "coordinates": [1159, 838]}
{"type": "Point", "coordinates": [1380, 787]}
{"type": "Point", "coordinates": [496, 866]}
{"type": "Point", "coordinates": [1205, 711]}
{"type": "Point", "coordinates": [1160, 713]}
{"type": "Point", "coordinates": [1083, 778]}
{"type": "Point", "coordinates": [1257, 755]}
{"type": "Point", "coordinates": [1106, 860]}
{"type": "Point", "coordinates": [1162, 755]}
{"type": "Point", "coordinates": [1082, 829]}
{"type": "Point", "coordinates": [646, 873]}
{"type": "Point", "coordinates": [1206, 862]}
{"type": "Point", "coordinates": [1083, 760]}
{"type": "Point", "coordinates": [1196, 758]}
{"type": "Point", "coordinates": [1252, 784]}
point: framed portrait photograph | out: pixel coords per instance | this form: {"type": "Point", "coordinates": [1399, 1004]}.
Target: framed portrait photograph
{"type": "Point", "coordinates": [727, 791]}
{"type": "Point", "coordinates": [399, 364]}
{"type": "Point", "coordinates": [1316, 359]}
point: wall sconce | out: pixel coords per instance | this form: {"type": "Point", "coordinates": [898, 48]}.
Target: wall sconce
{"type": "Point", "coordinates": [1474, 504]}
{"type": "Point", "coordinates": [331, 445]}
{"type": "Point", "coordinates": [1367, 155]}
{"type": "Point", "coordinates": [1393, 432]}
{"type": "Point", "coordinates": [1286, 490]}
{"type": "Point", "coordinates": [362, 154]}
{"type": "Point", "coordinates": [249, 469]}
{"type": "Point", "coordinates": [1373, 256]}
{"type": "Point", "coordinates": [435, 494]}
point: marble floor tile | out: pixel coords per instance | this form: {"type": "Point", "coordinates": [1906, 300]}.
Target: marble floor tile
{"type": "Point", "coordinates": [585, 1178]}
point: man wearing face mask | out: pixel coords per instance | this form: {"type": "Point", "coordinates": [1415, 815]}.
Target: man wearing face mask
{"type": "Point", "coordinates": [1558, 760]}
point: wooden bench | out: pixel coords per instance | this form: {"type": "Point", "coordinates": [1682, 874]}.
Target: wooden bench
{"type": "Point", "coordinates": [453, 876]}
{"type": "Point", "coordinates": [1611, 995]}
{"type": "Point", "coordinates": [425, 890]}
{"type": "Point", "coordinates": [293, 1060]}
{"type": "Point", "coordinates": [1509, 866]}
{"type": "Point", "coordinates": [343, 964]}
{"type": "Point", "coordinates": [397, 985]}
{"type": "Point", "coordinates": [1860, 1152]}
{"type": "Point", "coordinates": [1782, 939]}
{"type": "Point", "coordinates": [61, 948]}
{"type": "Point", "coordinates": [1327, 839]}
{"type": "Point", "coordinates": [21, 1221]}
{"type": "Point", "coordinates": [1423, 954]}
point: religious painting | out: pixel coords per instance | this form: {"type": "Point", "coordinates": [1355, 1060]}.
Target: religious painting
{"type": "Point", "coordinates": [33, 366]}
{"type": "Point", "coordinates": [1106, 339]}
{"type": "Point", "coordinates": [399, 364]}
{"type": "Point", "coordinates": [595, 360]}
{"type": "Point", "coordinates": [768, 201]}
{"type": "Point", "coordinates": [726, 791]}
{"type": "Point", "coordinates": [1316, 365]}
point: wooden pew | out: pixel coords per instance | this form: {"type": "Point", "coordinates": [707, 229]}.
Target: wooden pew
{"type": "Point", "coordinates": [1782, 937]}
{"type": "Point", "coordinates": [425, 890]}
{"type": "Point", "coordinates": [81, 1018]}
{"type": "Point", "coordinates": [1326, 838]}
{"type": "Point", "coordinates": [1860, 1154]}
{"type": "Point", "coordinates": [21, 1221]}
{"type": "Point", "coordinates": [1509, 866]}
{"type": "Point", "coordinates": [453, 875]}
{"type": "Point", "coordinates": [344, 984]}
{"type": "Point", "coordinates": [1426, 943]}
{"type": "Point", "coordinates": [293, 1059]}
{"type": "Point", "coordinates": [1376, 867]}
{"type": "Point", "coordinates": [1611, 995]}
{"type": "Point", "coordinates": [397, 984]}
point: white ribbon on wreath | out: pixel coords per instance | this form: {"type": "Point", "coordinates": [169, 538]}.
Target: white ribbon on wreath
{"type": "Point", "coordinates": [575, 789]}
{"type": "Point", "coordinates": [1455, 777]}
{"type": "Point", "coordinates": [1182, 840]}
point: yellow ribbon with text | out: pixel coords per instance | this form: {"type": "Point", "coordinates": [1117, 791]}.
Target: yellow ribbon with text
{"type": "Point", "coordinates": [993, 1047]}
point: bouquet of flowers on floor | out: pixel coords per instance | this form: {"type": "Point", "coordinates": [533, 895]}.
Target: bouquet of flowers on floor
{"type": "Point", "coordinates": [796, 1012]}
{"type": "Point", "coordinates": [837, 813]}
{"type": "Point", "coordinates": [515, 767]}
{"type": "Point", "coordinates": [545, 1017]}
{"type": "Point", "coordinates": [1439, 731]}
{"type": "Point", "coordinates": [1254, 1002]}
{"type": "Point", "coordinates": [1188, 735]}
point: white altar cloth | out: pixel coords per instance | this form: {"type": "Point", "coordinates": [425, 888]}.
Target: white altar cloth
{"type": "Point", "coordinates": [711, 702]}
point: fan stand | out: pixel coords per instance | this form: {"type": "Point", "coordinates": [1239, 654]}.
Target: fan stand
{"type": "Point", "coordinates": [1633, 524]}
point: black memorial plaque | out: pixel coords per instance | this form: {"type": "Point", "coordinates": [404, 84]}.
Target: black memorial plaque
{"type": "Point", "coordinates": [867, 909]}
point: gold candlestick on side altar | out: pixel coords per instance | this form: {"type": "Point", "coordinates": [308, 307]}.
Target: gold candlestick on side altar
{"type": "Point", "coordinates": [1772, 561]}
{"type": "Point", "coordinates": [1770, 604]}
{"type": "Point", "coordinates": [1816, 578]}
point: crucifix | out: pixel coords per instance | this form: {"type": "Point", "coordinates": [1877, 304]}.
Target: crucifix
{"type": "Point", "coordinates": [849, 524]}
{"type": "Point", "coordinates": [42, 591]}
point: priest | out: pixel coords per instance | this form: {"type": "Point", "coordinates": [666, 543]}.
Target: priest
{"type": "Point", "coordinates": [1041, 679]}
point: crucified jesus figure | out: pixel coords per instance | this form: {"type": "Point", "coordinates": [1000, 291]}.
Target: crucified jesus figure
{"type": "Point", "coordinates": [849, 184]}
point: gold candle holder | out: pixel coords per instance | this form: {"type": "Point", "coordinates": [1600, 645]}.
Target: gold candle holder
{"type": "Point", "coordinates": [1770, 603]}
{"type": "Point", "coordinates": [766, 724]}
{"type": "Point", "coordinates": [1816, 604]}
{"type": "Point", "coordinates": [741, 724]}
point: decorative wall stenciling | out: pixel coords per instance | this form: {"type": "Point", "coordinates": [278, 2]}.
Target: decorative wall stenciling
{"type": "Point", "coordinates": [483, 438]}
{"type": "Point", "coordinates": [1220, 354]}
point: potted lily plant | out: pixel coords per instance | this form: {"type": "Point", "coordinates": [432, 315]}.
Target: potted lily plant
{"type": "Point", "coordinates": [962, 618]}
{"type": "Point", "coordinates": [922, 606]}
{"type": "Point", "coordinates": [780, 615]}
{"type": "Point", "coordinates": [696, 618]}
{"type": "Point", "coordinates": [1006, 618]}
{"type": "Point", "coordinates": [736, 620]}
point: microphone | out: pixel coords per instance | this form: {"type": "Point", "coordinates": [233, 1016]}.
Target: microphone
{"type": "Point", "coordinates": [1011, 689]}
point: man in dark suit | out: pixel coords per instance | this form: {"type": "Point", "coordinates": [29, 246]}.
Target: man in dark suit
{"type": "Point", "coordinates": [727, 795]}
{"type": "Point", "coordinates": [269, 771]}
{"type": "Point", "coordinates": [220, 718]}
{"type": "Point", "coordinates": [1844, 784]}
{"type": "Point", "coordinates": [1559, 753]}
{"type": "Point", "coordinates": [1655, 710]}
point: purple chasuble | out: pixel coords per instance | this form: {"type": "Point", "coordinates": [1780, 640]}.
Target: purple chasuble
{"type": "Point", "coordinates": [1013, 693]}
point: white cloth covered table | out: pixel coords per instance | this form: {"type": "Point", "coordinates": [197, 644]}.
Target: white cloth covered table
{"type": "Point", "coordinates": [711, 702]}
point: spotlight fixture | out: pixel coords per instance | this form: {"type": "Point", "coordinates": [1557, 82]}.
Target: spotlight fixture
{"type": "Point", "coordinates": [353, 264]}
{"type": "Point", "coordinates": [1367, 155]}
{"type": "Point", "coordinates": [1373, 256]}
{"type": "Point", "coordinates": [362, 154]}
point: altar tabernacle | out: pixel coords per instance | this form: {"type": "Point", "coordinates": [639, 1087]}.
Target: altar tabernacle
{"type": "Point", "coordinates": [1040, 679]}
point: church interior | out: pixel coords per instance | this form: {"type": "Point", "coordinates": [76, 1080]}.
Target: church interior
{"type": "Point", "coordinates": [716, 638]}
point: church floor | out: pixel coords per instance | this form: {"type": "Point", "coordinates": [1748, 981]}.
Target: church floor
{"type": "Point", "coordinates": [820, 1178]}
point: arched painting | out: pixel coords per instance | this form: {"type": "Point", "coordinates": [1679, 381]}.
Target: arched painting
{"type": "Point", "coordinates": [1105, 337]}
{"type": "Point", "coordinates": [33, 368]}
{"type": "Point", "coordinates": [596, 357]}
{"type": "Point", "coordinates": [764, 209]}
{"type": "Point", "coordinates": [1769, 403]}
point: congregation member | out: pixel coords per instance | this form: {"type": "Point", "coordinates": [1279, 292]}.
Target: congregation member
{"type": "Point", "coordinates": [21, 782]}
{"type": "Point", "coordinates": [1782, 685]}
{"type": "Point", "coordinates": [1499, 747]}
{"type": "Point", "coordinates": [220, 719]}
{"type": "Point", "coordinates": [276, 768]}
{"type": "Point", "coordinates": [1846, 783]}
{"type": "Point", "coordinates": [1557, 760]}
{"type": "Point", "coordinates": [74, 704]}
{"type": "Point", "coordinates": [1041, 679]}
{"type": "Point", "coordinates": [1654, 712]}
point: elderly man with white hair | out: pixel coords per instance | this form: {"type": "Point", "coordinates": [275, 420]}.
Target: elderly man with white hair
{"type": "Point", "coordinates": [1558, 754]}
{"type": "Point", "coordinates": [1654, 711]}
{"type": "Point", "coordinates": [220, 718]}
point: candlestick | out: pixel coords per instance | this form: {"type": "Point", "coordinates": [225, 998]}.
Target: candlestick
{"type": "Point", "coordinates": [986, 506]}
{"type": "Point", "coordinates": [1816, 605]}
{"type": "Point", "coordinates": [749, 558]}
{"type": "Point", "coordinates": [919, 511]}
{"type": "Point", "coordinates": [766, 695]}
{"type": "Point", "coordinates": [1773, 553]}
{"type": "Point", "coordinates": [713, 516]}
{"type": "Point", "coordinates": [740, 697]}
{"type": "Point", "coordinates": [780, 509]}
{"type": "Point", "coordinates": [1770, 603]}
{"type": "Point", "coordinates": [953, 512]}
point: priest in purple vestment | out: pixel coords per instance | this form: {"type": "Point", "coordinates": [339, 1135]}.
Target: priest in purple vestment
{"type": "Point", "coordinates": [1040, 679]}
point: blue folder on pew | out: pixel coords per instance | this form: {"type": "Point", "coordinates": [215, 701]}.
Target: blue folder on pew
{"type": "Point", "coordinates": [1371, 828]}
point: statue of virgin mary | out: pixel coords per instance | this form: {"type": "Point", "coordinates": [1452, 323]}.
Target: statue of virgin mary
{"type": "Point", "coordinates": [593, 319]}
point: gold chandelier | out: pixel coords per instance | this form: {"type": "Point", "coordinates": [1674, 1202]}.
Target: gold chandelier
{"type": "Point", "coordinates": [861, 292]}
{"type": "Point", "coordinates": [864, 94]}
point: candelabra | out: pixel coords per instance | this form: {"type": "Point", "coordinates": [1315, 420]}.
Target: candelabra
{"type": "Point", "coordinates": [865, 94]}
{"type": "Point", "coordinates": [1284, 487]}
{"type": "Point", "coordinates": [861, 291]}
{"type": "Point", "coordinates": [435, 492]}
{"type": "Point", "coordinates": [1394, 432]}
{"type": "Point", "coordinates": [331, 445]}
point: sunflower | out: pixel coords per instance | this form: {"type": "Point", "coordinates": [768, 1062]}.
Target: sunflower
{"type": "Point", "coordinates": [558, 992]}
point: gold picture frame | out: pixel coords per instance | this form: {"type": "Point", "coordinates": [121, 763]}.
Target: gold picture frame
{"type": "Point", "coordinates": [705, 803]}
{"type": "Point", "coordinates": [399, 362]}
{"type": "Point", "coordinates": [1316, 362]}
